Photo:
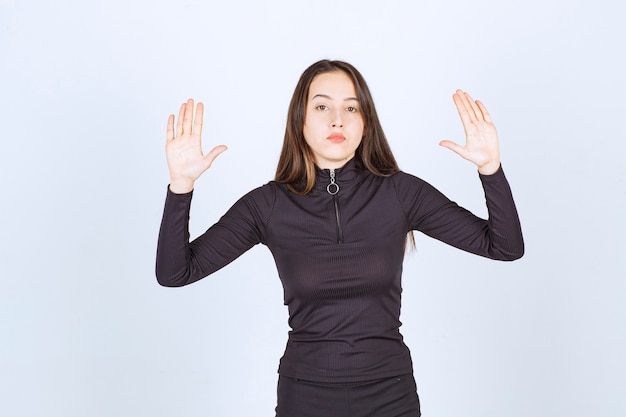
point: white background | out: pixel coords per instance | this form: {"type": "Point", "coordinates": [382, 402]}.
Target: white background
{"type": "Point", "coordinates": [85, 91]}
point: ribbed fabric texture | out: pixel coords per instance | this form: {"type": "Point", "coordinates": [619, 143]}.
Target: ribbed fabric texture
{"type": "Point", "coordinates": [343, 298]}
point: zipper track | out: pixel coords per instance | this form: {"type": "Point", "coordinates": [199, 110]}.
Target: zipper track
{"type": "Point", "coordinates": [339, 231]}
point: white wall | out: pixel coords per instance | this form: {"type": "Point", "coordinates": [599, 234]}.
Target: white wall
{"type": "Point", "coordinates": [85, 91]}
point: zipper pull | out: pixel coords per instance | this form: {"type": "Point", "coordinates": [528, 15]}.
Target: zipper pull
{"type": "Point", "coordinates": [333, 187]}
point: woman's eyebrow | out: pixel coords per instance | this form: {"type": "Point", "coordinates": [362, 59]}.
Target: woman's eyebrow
{"type": "Point", "coordinates": [330, 98]}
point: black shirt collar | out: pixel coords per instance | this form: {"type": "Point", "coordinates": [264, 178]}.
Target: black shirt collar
{"type": "Point", "coordinates": [345, 175]}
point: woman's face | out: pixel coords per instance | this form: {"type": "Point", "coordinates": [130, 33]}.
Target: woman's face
{"type": "Point", "coordinates": [333, 123]}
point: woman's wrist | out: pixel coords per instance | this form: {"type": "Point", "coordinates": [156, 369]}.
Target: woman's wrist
{"type": "Point", "coordinates": [489, 168]}
{"type": "Point", "coordinates": [181, 186]}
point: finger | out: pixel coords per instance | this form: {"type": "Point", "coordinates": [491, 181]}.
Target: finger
{"type": "Point", "coordinates": [197, 121]}
{"type": "Point", "coordinates": [187, 120]}
{"type": "Point", "coordinates": [475, 109]}
{"type": "Point", "coordinates": [466, 100]}
{"type": "Point", "coordinates": [454, 147]}
{"type": "Point", "coordinates": [170, 128]}
{"type": "Point", "coordinates": [461, 108]}
{"type": "Point", "coordinates": [210, 157]}
{"type": "Point", "coordinates": [181, 116]}
{"type": "Point", "coordinates": [484, 111]}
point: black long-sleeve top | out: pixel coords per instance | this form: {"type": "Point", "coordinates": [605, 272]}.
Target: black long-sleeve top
{"type": "Point", "coordinates": [339, 258]}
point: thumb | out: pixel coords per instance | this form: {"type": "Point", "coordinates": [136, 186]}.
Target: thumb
{"type": "Point", "coordinates": [453, 146]}
{"type": "Point", "coordinates": [210, 157]}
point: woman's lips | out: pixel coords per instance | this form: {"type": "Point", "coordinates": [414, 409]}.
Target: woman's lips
{"type": "Point", "coordinates": [336, 137]}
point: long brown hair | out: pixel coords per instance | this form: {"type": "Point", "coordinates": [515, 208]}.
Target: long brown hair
{"type": "Point", "coordinates": [296, 166]}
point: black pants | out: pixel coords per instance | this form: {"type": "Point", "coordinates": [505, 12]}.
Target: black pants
{"type": "Point", "coordinates": [389, 397]}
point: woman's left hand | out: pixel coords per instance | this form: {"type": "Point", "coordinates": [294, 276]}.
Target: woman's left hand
{"type": "Point", "coordinates": [481, 139]}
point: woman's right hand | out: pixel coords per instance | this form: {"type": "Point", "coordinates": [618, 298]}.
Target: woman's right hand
{"type": "Point", "coordinates": [183, 148]}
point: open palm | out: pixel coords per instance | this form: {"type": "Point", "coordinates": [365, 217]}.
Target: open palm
{"type": "Point", "coordinates": [481, 139]}
{"type": "Point", "coordinates": [183, 148]}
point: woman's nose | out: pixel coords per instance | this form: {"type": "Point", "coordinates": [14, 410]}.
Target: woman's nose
{"type": "Point", "coordinates": [336, 120]}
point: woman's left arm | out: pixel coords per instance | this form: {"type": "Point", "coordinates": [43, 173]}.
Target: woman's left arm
{"type": "Point", "coordinates": [499, 236]}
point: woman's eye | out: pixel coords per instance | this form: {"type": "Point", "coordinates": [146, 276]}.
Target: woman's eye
{"type": "Point", "coordinates": [321, 107]}
{"type": "Point", "coordinates": [352, 109]}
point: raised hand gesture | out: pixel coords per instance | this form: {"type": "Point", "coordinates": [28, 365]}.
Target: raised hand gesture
{"type": "Point", "coordinates": [481, 142]}
{"type": "Point", "coordinates": [183, 148]}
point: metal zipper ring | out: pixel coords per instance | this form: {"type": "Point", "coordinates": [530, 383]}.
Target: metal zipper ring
{"type": "Point", "coordinates": [332, 188]}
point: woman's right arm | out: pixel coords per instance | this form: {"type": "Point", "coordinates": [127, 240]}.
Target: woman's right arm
{"type": "Point", "coordinates": [180, 262]}
{"type": "Point", "coordinates": [186, 162]}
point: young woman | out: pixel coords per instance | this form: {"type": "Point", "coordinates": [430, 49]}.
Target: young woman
{"type": "Point", "coordinates": [336, 219]}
